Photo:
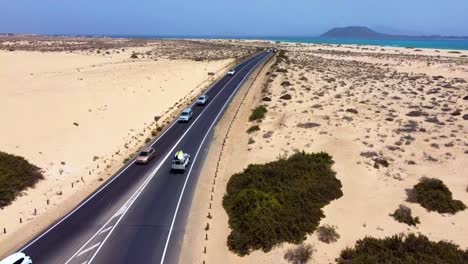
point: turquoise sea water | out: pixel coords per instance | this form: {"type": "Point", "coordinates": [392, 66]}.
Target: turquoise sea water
{"type": "Point", "coordinates": [450, 44]}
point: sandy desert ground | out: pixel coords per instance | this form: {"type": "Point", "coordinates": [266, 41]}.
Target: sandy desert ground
{"type": "Point", "coordinates": [78, 108]}
{"type": "Point", "coordinates": [358, 103]}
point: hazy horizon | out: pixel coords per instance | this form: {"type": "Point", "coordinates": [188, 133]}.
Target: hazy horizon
{"type": "Point", "coordinates": [240, 18]}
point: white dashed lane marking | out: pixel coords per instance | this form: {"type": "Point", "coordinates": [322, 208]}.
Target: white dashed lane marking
{"type": "Point", "coordinates": [105, 230]}
{"type": "Point", "coordinates": [89, 249]}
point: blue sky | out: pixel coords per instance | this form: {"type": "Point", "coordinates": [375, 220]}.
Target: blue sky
{"type": "Point", "coordinates": [231, 18]}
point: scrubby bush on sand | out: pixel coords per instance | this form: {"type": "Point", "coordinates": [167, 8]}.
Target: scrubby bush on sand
{"type": "Point", "coordinates": [258, 113]}
{"type": "Point", "coordinates": [327, 234]}
{"type": "Point", "coordinates": [16, 174]}
{"type": "Point", "coordinates": [412, 249]}
{"type": "Point", "coordinates": [300, 254]}
{"type": "Point", "coordinates": [280, 201]}
{"type": "Point", "coordinates": [282, 57]}
{"type": "Point", "coordinates": [403, 215]}
{"type": "Point", "coordinates": [434, 195]}
{"type": "Point", "coordinates": [253, 129]}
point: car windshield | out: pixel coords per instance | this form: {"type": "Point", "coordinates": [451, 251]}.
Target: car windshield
{"type": "Point", "coordinates": [201, 98]}
{"type": "Point", "coordinates": [144, 153]}
{"type": "Point", "coordinates": [184, 113]}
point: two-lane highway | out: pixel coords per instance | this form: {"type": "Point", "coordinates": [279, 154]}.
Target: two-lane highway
{"type": "Point", "coordinates": [139, 215]}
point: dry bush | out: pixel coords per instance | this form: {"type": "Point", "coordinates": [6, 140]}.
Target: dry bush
{"type": "Point", "coordinates": [300, 254]}
{"type": "Point", "coordinates": [327, 234]}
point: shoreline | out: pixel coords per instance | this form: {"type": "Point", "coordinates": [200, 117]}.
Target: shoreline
{"type": "Point", "coordinates": [338, 42]}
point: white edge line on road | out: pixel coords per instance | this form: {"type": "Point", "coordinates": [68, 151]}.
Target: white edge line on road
{"type": "Point", "coordinates": [111, 180]}
{"type": "Point", "coordinates": [196, 155]}
{"type": "Point", "coordinates": [147, 180]}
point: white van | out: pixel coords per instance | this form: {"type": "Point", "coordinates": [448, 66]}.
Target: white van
{"type": "Point", "coordinates": [180, 161]}
{"type": "Point", "coordinates": [186, 115]}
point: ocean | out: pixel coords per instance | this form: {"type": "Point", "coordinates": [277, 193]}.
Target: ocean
{"type": "Point", "coordinates": [447, 44]}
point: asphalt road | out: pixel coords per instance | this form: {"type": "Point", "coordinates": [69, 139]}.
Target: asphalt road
{"type": "Point", "coordinates": [139, 215]}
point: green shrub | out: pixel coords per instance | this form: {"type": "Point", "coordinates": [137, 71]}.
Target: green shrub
{"type": "Point", "coordinates": [253, 129]}
{"type": "Point", "coordinates": [413, 249]}
{"type": "Point", "coordinates": [299, 255]}
{"type": "Point", "coordinates": [434, 195]}
{"type": "Point", "coordinates": [258, 113]}
{"type": "Point", "coordinates": [403, 215]}
{"type": "Point", "coordinates": [327, 234]}
{"type": "Point", "coordinates": [16, 174]}
{"type": "Point", "coordinates": [279, 201]}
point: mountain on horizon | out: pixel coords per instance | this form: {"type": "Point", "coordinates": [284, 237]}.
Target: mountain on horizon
{"type": "Point", "coordinates": [359, 32]}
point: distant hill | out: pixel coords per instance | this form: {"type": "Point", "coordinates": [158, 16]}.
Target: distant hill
{"type": "Point", "coordinates": [353, 32]}
{"type": "Point", "coordinates": [367, 33]}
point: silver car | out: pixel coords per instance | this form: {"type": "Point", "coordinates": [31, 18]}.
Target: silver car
{"type": "Point", "coordinates": [145, 156]}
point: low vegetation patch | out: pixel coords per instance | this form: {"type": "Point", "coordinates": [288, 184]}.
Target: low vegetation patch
{"type": "Point", "coordinates": [282, 57]}
{"type": "Point", "coordinates": [327, 234]}
{"type": "Point", "coordinates": [300, 254]}
{"type": "Point", "coordinates": [434, 195]}
{"type": "Point", "coordinates": [403, 215]}
{"type": "Point", "coordinates": [402, 249]}
{"type": "Point", "coordinates": [253, 129]}
{"type": "Point", "coordinates": [280, 201]}
{"type": "Point", "coordinates": [16, 174]}
{"type": "Point", "coordinates": [258, 113]}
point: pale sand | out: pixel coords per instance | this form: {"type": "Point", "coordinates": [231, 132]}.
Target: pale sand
{"type": "Point", "coordinates": [113, 101]}
{"type": "Point", "coordinates": [379, 85]}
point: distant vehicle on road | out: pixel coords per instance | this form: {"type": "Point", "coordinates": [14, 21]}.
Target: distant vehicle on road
{"type": "Point", "coordinates": [202, 100]}
{"type": "Point", "coordinates": [180, 161]}
{"type": "Point", "coordinates": [17, 258]}
{"type": "Point", "coordinates": [145, 156]}
{"type": "Point", "coordinates": [231, 72]}
{"type": "Point", "coordinates": [275, 50]}
{"type": "Point", "coordinates": [186, 115]}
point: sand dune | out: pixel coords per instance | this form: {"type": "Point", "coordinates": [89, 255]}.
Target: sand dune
{"type": "Point", "coordinates": [79, 114]}
{"type": "Point", "coordinates": [356, 103]}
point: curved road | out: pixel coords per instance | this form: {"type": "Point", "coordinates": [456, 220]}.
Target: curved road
{"type": "Point", "coordinates": [139, 215]}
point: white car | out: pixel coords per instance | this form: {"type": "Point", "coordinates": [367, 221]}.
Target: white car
{"type": "Point", "coordinates": [180, 161]}
{"type": "Point", "coordinates": [17, 258]}
{"type": "Point", "coordinates": [231, 72]}
{"type": "Point", "coordinates": [186, 115]}
{"type": "Point", "coordinates": [202, 100]}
